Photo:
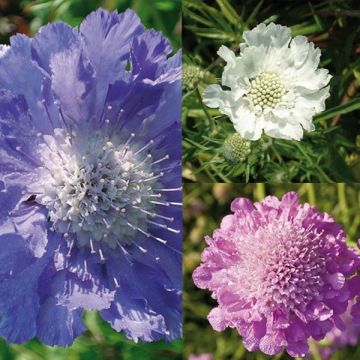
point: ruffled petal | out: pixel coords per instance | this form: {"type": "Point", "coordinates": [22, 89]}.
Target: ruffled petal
{"type": "Point", "coordinates": [58, 37]}
{"type": "Point", "coordinates": [107, 38]}
{"type": "Point", "coordinates": [25, 81]}
{"type": "Point", "coordinates": [268, 35]}
{"type": "Point", "coordinates": [19, 303]}
{"type": "Point", "coordinates": [73, 85]}
{"type": "Point", "coordinates": [18, 136]}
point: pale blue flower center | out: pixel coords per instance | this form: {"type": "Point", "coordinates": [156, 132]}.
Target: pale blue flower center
{"type": "Point", "coordinates": [99, 191]}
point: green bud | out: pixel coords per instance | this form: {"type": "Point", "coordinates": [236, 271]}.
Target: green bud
{"type": "Point", "coordinates": [236, 149]}
{"type": "Point", "coordinates": [191, 75]}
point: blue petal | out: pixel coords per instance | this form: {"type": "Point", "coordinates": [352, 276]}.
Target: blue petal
{"type": "Point", "coordinates": [73, 84]}
{"type": "Point", "coordinates": [18, 139]}
{"type": "Point", "coordinates": [148, 51]}
{"type": "Point", "coordinates": [19, 75]}
{"type": "Point", "coordinates": [52, 39]}
{"type": "Point", "coordinates": [80, 281]}
{"type": "Point", "coordinates": [19, 304]}
{"type": "Point", "coordinates": [30, 222]}
{"type": "Point", "coordinates": [11, 186]}
{"type": "Point", "coordinates": [107, 37]}
{"type": "Point", "coordinates": [129, 315]}
{"type": "Point", "coordinates": [144, 291]}
{"type": "Point", "coordinates": [14, 256]}
{"type": "Point", "coordinates": [57, 325]}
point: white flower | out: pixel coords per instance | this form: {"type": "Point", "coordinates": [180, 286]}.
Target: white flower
{"type": "Point", "coordinates": [275, 84]}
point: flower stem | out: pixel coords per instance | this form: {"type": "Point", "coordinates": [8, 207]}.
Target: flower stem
{"type": "Point", "coordinates": [210, 120]}
{"type": "Point", "coordinates": [260, 191]}
{"type": "Point", "coordinates": [311, 193]}
{"type": "Point", "coordinates": [341, 190]}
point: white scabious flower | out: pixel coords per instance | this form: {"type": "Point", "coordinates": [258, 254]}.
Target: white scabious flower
{"type": "Point", "coordinates": [275, 84]}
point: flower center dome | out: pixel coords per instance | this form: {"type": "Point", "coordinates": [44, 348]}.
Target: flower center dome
{"type": "Point", "coordinates": [286, 270]}
{"type": "Point", "coordinates": [266, 90]}
{"type": "Point", "coordinates": [97, 189]}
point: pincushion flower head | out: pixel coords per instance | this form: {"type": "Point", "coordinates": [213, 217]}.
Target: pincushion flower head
{"type": "Point", "coordinates": [90, 214]}
{"type": "Point", "coordinates": [274, 85]}
{"type": "Point", "coordinates": [280, 272]}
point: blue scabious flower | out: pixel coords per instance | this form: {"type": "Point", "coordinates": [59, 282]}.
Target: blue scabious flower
{"type": "Point", "coordinates": [90, 185]}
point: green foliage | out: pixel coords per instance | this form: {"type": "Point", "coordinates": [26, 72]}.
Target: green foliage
{"type": "Point", "coordinates": [162, 15]}
{"type": "Point", "coordinates": [332, 152]}
{"type": "Point", "coordinates": [204, 207]}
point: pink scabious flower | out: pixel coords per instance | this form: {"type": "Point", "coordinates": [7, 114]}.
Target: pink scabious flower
{"type": "Point", "coordinates": [280, 272]}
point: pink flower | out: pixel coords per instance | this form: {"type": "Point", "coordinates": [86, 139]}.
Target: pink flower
{"type": "Point", "coordinates": [346, 333]}
{"type": "Point", "coordinates": [280, 273]}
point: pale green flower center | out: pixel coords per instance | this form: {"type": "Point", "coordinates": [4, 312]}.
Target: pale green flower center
{"type": "Point", "coordinates": [236, 149]}
{"type": "Point", "coordinates": [266, 90]}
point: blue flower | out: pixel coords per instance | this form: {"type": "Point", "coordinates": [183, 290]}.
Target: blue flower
{"type": "Point", "coordinates": [90, 183]}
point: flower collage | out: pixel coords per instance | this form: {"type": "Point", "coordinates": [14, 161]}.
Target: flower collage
{"type": "Point", "coordinates": [179, 179]}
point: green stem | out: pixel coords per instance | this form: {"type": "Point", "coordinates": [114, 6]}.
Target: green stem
{"type": "Point", "coordinates": [210, 120]}
{"type": "Point", "coordinates": [341, 190]}
{"type": "Point", "coordinates": [310, 189]}
{"type": "Point", "coordinates": [260, 191]}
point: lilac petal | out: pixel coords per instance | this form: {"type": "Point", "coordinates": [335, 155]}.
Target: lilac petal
{"type": "Point", "coordinates": [255, 332]}
{"type": "Point", "coordinates": [272, 343]}
{"type": "Point", "coordinates": [217, 319]}
{"type": "Point", "coordinates": [241, 204]}
{"type": "Point", "coordinates": [336, 280]}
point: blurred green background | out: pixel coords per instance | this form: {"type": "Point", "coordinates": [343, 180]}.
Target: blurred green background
{"type": "Point", "coordinates": [26, 16]}
{"type": "Point", "coordinates": [100, 341]}
{"type": "Point", "coordinates": [204, 207]}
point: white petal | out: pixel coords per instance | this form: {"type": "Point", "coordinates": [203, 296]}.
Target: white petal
{"type": "Point", "coordinates": [234, 76]}
{"type": "Point", "coordinates": [251, 63]}
{"type": "Point", "coordinates": [311, 99]}
{"type": "Point", "coordinates": [283, 129]}
{"type": "Point", "coordinates": [270, 35]}
{"type": "Point", "coordinates": [247, 124]}
{"type": "Point", "coordinates": [215, 96]}
{"type": "Point", "coordinates": [227, 54]}
{"type": "Point", "coordinates": [303, 61]}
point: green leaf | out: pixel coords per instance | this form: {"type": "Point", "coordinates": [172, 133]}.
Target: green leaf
{"type": "Point", "coordinates": [229, 12]}
{"type": "Point", "coordinates": [339, 110]}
